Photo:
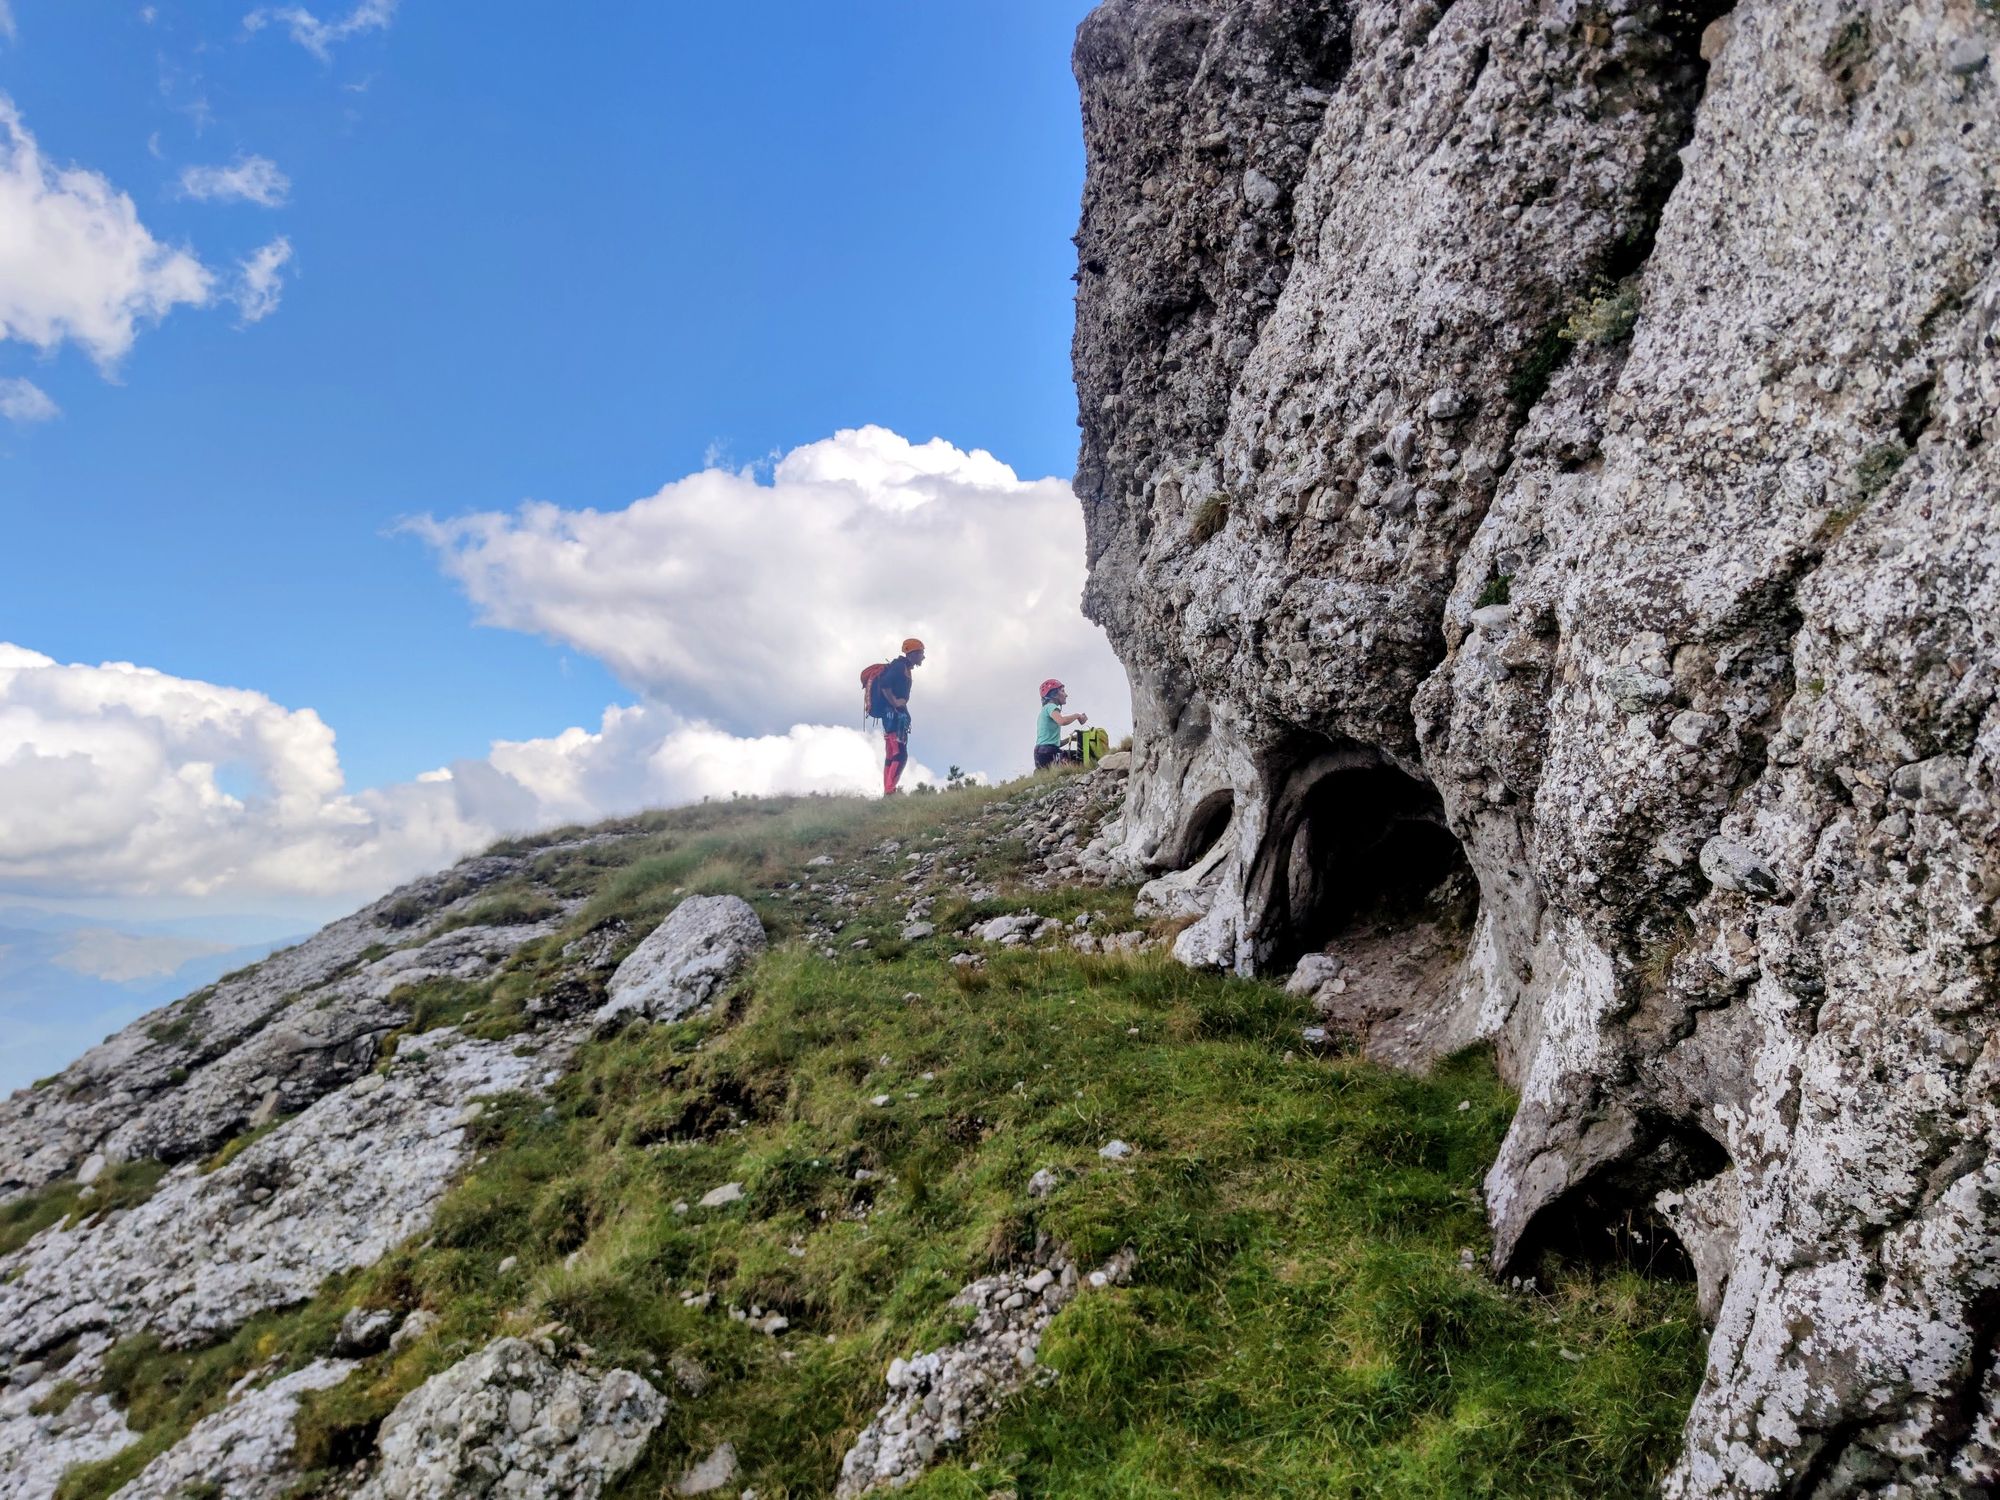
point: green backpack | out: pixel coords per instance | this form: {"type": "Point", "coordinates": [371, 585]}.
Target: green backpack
{"type": "Point", "coordinates": [1095, 744]}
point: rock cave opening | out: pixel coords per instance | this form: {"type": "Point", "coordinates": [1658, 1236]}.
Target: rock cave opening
{"type": "Point", "coordinates": [1368, 849]}
{"type": "Point", "coordinates": [1611, 1221]}
{"type": "Point", "coordinates": [1604, 1231]}
{"type": "Point", "coordinates": [1205, 827]}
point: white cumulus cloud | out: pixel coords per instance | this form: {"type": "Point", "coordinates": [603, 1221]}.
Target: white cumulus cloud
{"type": "Point", "coordinates": [320, 37]}
{"type": "Point", "coordinates": [112, 782]}
{"type": "Point", "coordinates": [75, 262]}
{"type": "Point", "coordinates": [756, 604]}
{"type": "Point", "coordinates": [259, 283]}
{"type": "Point", "coordinates": [248, 179]}
{"type": "Point", "coordinates": [739, 610]}
{"type": "Point", "coordinates": [24, 401]}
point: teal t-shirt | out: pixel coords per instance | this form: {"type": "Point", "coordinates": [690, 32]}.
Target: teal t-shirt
{"type": "Point", "coordinates": [1047, 731]}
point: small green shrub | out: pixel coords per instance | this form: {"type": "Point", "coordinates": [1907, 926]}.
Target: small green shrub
{"type": "Point", "coordinates": [1537, 367]}
{"type": "Point", "coordinates": [1209, 517]}
{"type": "Point", "coordinates": [59, 1399]}
{"type": "Point", "coordinates": [405, 911]}
{"type": "Point", "coordinates": [1852, 45]}
{"type": "Point", "coordinates": [1877, 467]}
{"type": "Point", "coordinates": [1499, 589]}
{"type": "Point", "coordinates": [1607, 318]}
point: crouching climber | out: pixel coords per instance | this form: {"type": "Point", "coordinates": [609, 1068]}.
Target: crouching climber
{"type": "Point", "coordinates": [1049, 724]}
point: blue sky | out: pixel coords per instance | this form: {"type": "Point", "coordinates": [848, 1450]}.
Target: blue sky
{"type": "Point", "coordinates": [568, 255]}
{"type": "Point", "coordinates": [420, 423]}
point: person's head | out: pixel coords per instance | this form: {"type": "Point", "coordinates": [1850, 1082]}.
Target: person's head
{"type": "Point", "coordinates": [913, 651]}
{"type": "Point", "coordinates": [1054, 692]}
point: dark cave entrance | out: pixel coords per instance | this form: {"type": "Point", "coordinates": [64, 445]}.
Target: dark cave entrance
{"type": "Point", "coordinates": [1204, 828]}
{"type": "Point", "coordinates": [1609, 1222]}
{"type": "Point", "coordinates": [1367, 849]}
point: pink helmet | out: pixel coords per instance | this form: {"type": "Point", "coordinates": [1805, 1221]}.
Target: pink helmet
{"type": "Point", "coordinates": [1052, 685]}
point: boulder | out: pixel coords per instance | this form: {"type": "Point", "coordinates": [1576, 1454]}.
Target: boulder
{"type": "Point", "coordinates": [365, 1330]}
{"type": "Point", "coordinates": [685, 962]}
{"type": "Point", "coordinates": [244, 1451]}
{"type": "Point", "coordinates": [518, 1419]}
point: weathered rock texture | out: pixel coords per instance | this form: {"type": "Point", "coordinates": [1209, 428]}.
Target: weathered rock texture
{"type": "Point", "coordinates": [38, 1441]}
{"type": "Point", "coordinates": [244, 1451]}
{"type": "Point", "coordinates": [333, 1189]}
{"type": "Point", "coordinates": [516, 1419]}
{"type": "Point", "coordinates": [263, 1042]}
{"type": "Point", "coordinates": [685, 962]}
{"type": "Point", "coordinates": [1557, 440]}
{"type": "Point", "coordinates": [936, 1397]}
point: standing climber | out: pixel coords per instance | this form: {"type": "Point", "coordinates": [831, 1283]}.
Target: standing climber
{"type": "Point", "coordinates": [1048, 724]}
{"type": "Point", "coordinates": [888, 692]}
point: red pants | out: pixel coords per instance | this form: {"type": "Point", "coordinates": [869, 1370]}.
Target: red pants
{"type": "Point", "coordinates": [895, 753]}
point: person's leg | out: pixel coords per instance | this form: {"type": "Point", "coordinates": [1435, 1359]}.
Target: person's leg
{"type": "Point", "coordinates": [1045, 756]}
{"type": "Point", "coordinates": [892, 763]}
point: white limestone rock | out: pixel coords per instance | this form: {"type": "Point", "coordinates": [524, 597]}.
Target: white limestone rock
{"type": "Point", "coordinates": [517, 1419]}
{"type": "Point", "coordinates": [243, 1450]}
{"type": "Point", "coordinates": [332, 1189]}
{"type": "Point", "coordinates": [365, 1330]}
{"type": "Point", "coordinates": [936, 1398]}
{"type": "Point", "coordinates": [1707, 1218]}
{"type": "Point", "coordinates": [711, 1474]}
{"type": "Point", "coordinates": [37, 1448]}
{"type": "Point", "coordinates": [1690, 643]}
{"type": "Point", "coordinates": [685, 962]}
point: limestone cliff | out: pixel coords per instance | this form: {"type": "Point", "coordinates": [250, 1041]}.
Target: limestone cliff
{"type": "Point", "coordinates": [1555, 442]}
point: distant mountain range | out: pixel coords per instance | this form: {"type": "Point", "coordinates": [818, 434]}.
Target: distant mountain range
{"type": "Point", "coordinates": [68, 981]}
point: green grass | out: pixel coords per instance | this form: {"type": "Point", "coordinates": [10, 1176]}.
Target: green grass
{"type": "Point", "coordinates": [121, 1185]}
{"type": "Point", "coordinates": [1299, 1322]}
{"type": "Point", "coordinates": [511, 905]}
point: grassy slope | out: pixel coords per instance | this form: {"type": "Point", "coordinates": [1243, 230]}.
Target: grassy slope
{"type": "Point", "coordinates": [1299, 1323]}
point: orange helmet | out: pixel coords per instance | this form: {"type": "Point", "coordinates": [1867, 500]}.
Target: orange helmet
{"type": "Point", "coordinates": [912, 644]}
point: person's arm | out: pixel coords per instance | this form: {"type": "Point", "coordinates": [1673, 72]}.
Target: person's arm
{"type": "Point", "coordinates": [1077, 718]}
{"type": "Point", "coordinates": [893, 701]}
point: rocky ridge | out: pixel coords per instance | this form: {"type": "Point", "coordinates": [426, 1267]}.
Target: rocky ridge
{"type": "Point", "coordinates": [1550, 446]}
{"type": "Point", "coordinates": [353, 1155]}
{"type": "Point", "coordinates": [340, 1153]}
{"type": "Point", "coordinates": [264, 1042]}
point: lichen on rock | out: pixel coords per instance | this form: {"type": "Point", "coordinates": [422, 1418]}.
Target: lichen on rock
{"type": "Point", "coordinates": [1582, 430]}
{"type": "Point", "coordinates": [520, 1418]}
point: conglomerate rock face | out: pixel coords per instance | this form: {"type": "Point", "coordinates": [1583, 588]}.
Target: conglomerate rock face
{"type": "Point", "coordinates": [1556, 442]}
